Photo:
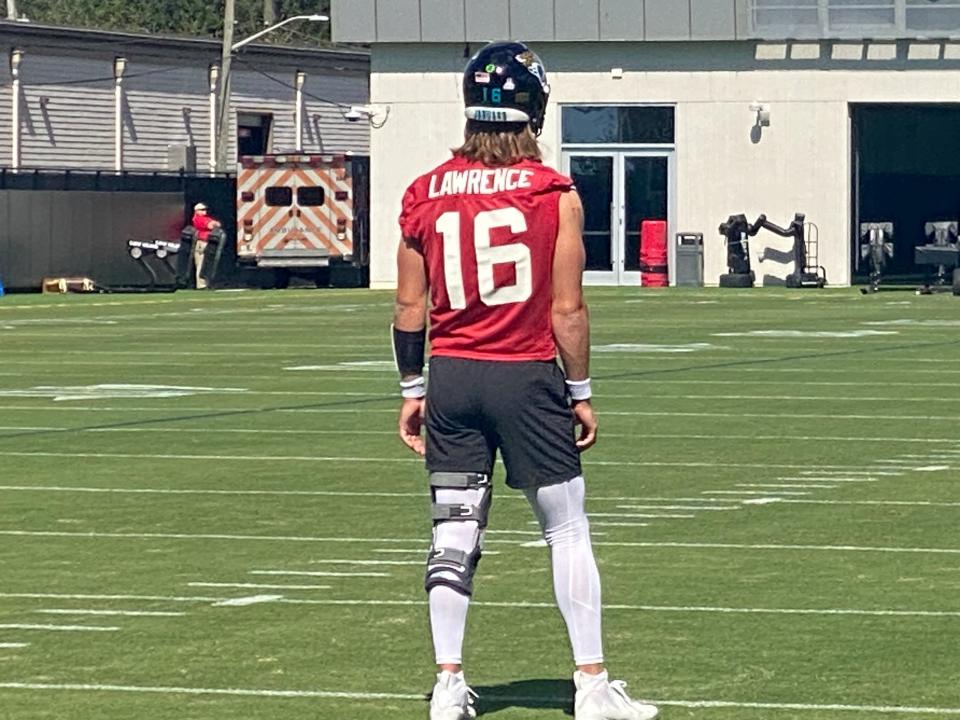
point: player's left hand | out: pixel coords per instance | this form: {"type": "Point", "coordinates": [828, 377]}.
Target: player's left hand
{"type": "Point", "coordinates": [411, 423]}
{"type": "Point", "coordinates": [587, 420]}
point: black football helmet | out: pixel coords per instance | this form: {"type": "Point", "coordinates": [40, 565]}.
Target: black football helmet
{"type": "Point", "coordinates": [505, 82]}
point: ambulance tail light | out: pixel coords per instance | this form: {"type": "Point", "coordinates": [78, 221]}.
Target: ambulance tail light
{"type": "Point", "coordinates": [342, 195]}
{"type": "Point", "coordinates": [246, 196]}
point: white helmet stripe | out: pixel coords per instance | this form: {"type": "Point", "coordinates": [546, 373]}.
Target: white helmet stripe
{"type": "Point", "coordinates": [486, 114]}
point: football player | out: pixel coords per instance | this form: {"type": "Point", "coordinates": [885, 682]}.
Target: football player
{"type": "Point", "coordinates": [495, 238]}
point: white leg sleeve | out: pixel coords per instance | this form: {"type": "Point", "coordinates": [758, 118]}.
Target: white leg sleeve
{"type": "Point", "coordinates": [576, 581]}
{"type": "Point", "coordinates": [448, 607]}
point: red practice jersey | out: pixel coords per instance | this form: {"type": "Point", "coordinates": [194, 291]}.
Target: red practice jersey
{"type": "Point", "coordinates": [488, 235]}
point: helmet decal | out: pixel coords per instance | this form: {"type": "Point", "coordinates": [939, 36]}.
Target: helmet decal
{"type": "Point", "coordinates": [532, 63]}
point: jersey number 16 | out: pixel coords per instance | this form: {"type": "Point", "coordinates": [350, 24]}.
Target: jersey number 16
{"type": "Point", "coordinates": [488, 255]}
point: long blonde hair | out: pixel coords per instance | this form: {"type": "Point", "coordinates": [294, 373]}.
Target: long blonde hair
{"type": "Point", "coordinates": [498, 144]}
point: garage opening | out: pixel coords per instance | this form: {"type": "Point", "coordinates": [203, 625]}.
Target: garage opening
{"type": "Point", "coordinates": [906, 174]}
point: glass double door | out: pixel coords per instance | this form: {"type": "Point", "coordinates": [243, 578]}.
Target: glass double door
{"type": "Point", "coordinates": [619, 190]}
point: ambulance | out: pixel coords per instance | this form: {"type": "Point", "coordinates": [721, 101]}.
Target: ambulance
{"type": "Point", "coordinates": [304, 215]}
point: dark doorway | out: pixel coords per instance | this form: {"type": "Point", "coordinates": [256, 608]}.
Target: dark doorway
{"type": "Point", "coordinates": [253, 134]}
{"type": "Point", "coordinates": [906, 172]}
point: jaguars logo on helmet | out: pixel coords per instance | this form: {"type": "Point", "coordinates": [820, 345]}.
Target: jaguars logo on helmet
{"type": "Point", "coordinates": [505, 82]}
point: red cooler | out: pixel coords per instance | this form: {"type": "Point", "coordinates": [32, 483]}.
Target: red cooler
{"type": "Point", "coordinates": [653, 253]}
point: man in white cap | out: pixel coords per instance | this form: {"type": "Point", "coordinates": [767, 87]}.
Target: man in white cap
{"type": "Point", "coordinates": [203, 224]}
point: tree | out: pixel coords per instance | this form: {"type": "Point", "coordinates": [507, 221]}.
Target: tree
{"type": "Point", "coordinates": [196, 18]}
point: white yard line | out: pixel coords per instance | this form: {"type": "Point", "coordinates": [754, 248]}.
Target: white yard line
{"type": "Point", "coordinates": [886, 416]}
{"type": "Point", "coordinates": [376, 563]}
{"type": "Point", "coordinates": [327, 458]}
{"type": "Point", "coordinates": [257, 586]}
{"type": "Point", "coordinates": [639, 515]}
{"type": "Point", "coordinates": [828, 479]}
{"type": "Point", "coordinates": [869, 473]}
{"type": "Point", "coordinates": [336, 431]}
{"type": "Point", "coordinates": [671, 507]}
{"type": "Point", "coordinates": [904, 503]}
{"type": "Point", "coordinates": [64, 628]}
{"type": "Point", "coordinates": [13, 645]}
{"type": "Point", "coordinates": [605, 523]}
{"type": "Point", "coordinates": [353, 540]}
{"type": "Point", "coordinates": [421, 698]}
{"type": "Point", "coordinates": [249, 600]}
{"type": "Point", "coordinates": [124, 613]}
{"type": "Point", "coordinates": [320, 573]}
{"type": "Point", "coordinates": [150, 598]}
{"type": "Point", "coordinates": [877, 612]}
{"type": "Point", "coordinates": [786, 485]}
{"type": "Point", "coordinates": [751, 492]}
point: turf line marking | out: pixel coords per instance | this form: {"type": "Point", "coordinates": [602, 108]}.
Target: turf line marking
{"type": "Point", "coordinates": [250, 600]}
{"type": "Point", "coordinates": [548, 606]}
{"type": "Point", "coordinates": [373, 562]}
{"type": "Point", "coordinates": [606, 523]}
{"type": "Point", "coordinates": [315, 458]}
{"type": "Point", "coordinates": [125, 613]}
{"type": "Point", "coordinates": [869, 473]}
{"type": "Point", "coordinates": [64, 628]}
{"type": "Point", "coordinates": [391, 433]}
{"type": "Point", "coordinates": [652, 608]}
{"type": "Point", "coordinates": [905, 503]}
{"type": "Point", "coordinates": [64, 596]}
{"type": "Point", "coordinates": [258, 586]}
{"type": "Point", "coordinates": [670, 507]}
{"type": "Point", "coordinates": [786, 485]}
{"type": "Point", "coordinates": [639, 515]}
{"type": "Point", "coordinates": [830, 479]}
{"type": "Point", "coordinates": [752, 492]}
{"type": "Point", "coordinates": [420, 697]}
{"type": "Point", "coordinates": [13, 646]}
{"type": "Point", "coordinates": [371, 410]}
{"type": "Point", "coordinates": [320, 573]}
{"type": "Point", "coordinates": [353, 540]}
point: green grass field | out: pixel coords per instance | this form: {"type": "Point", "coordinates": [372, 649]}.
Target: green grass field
{"type": "Point", "coordinates": [205, 514]}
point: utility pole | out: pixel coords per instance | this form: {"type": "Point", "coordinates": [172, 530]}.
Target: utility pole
{"type": "Point", "coordinates": [223, 131]}
{"type": "Point", "coordinates": [12, 10]}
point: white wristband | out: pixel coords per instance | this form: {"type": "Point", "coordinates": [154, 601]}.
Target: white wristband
{"type": "Point", "coordinates": [579, 389]}
{"type": "Point", "coordinates": [414, 388]}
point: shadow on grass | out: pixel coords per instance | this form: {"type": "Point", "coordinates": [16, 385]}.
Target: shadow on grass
{"type": "Point", "coordinates": [534, 694]}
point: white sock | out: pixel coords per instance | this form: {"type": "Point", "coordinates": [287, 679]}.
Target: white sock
{"type": "Point", "coordinates": [576, 581]}
{"type": "Point", "coordinates": [448, 620]}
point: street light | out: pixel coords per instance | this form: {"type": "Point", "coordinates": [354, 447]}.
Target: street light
{"type": "Point", "coordinates": [230, 47]}
{"type": "Point", "coordinates": [247, 41]}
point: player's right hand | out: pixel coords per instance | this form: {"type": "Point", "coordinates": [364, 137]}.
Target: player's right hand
{"type": "Point", "coordinates": [587, 420]}
{"type": "Point", "coordinates": [411, 423]}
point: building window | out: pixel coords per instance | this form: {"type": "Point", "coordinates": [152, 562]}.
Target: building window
{"type": "Point", "coordinates": [925, 15]}
{"type": "Point", "coordinates": [253, 133]}
{"type": "Point", "coordinates": [789, 17]}
{"type": "Point", "coordinates": [616, 124]}
{"type": "Point", "coordinates": [855, 19]}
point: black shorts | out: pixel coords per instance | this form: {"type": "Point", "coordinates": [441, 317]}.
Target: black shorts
{"type": "Point", "coordinates": [476, 407]}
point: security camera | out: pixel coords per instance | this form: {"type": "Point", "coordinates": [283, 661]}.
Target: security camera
{"type": "Point", "coordinates": [354, 114]}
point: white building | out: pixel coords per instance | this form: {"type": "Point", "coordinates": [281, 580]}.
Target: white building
{"type": "Point", "coordinates": [659, 110]}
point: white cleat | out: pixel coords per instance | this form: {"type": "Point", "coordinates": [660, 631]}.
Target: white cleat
{"type": "Point", "coordinates": [599, 698]}
{"type": "Point", "coordinates": [452, 699]}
